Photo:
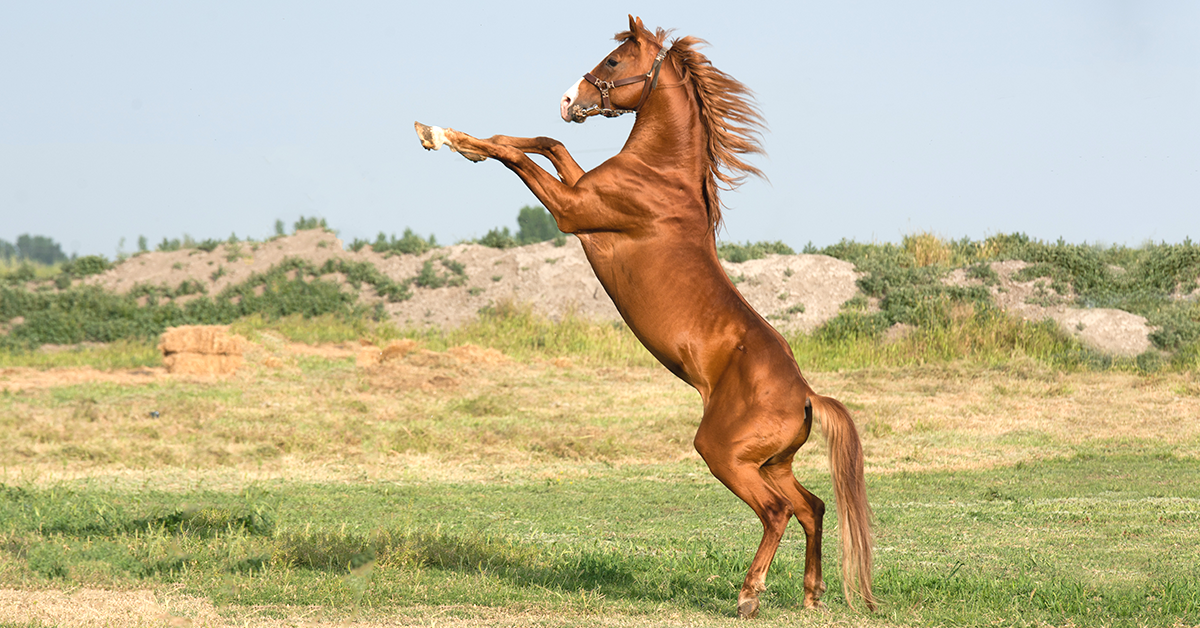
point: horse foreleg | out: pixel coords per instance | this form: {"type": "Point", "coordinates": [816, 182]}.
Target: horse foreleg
{"type": "Point", "coordinates": [552, 149]}
{"type": "Point", "coordinates": [433, 138]}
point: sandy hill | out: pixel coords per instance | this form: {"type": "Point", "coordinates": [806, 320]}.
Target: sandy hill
{"type": "Point", "coordinates": [794, 292]}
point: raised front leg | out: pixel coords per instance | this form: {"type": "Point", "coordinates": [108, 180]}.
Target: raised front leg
{"type": "Point", "coordinates": [433, 138]}
{"type": "Point", "coordinates": [569, 172]}
{"type": "Point", "coordinates": [576, 207]}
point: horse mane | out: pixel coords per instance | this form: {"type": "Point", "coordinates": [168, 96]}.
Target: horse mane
{"type": "Point", "coordinates": [729, 114]}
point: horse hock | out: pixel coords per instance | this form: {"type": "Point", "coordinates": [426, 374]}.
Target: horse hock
{"type": "Point", "coordinates": [434, 137]}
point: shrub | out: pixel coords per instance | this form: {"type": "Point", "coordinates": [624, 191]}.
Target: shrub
{"type": "Point", "coordinates": [304, 224]}
{"type": "Point", "coordinates": [88, 313]}
{"type": "Point", "coordinates": [409, 244]}
{"type": "Point", "coordinates": [926, 249]}
{"type": "Point", "coordinates": [357, 273]}
{"type": "Point", "coordinates": [498, 238]}
{"type": "Point", "coordinates": [86, 265]}
{"type": "Point", "coordinates": [737, 253]}
{"type": "Point", "coordinates": [454, 275]}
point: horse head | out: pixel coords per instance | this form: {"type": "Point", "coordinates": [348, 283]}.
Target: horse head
{"type": "Point", "coordinates": [620, 83]}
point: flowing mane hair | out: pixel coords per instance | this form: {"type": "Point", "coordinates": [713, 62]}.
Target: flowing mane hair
{"type": "Point", "coordinates": [730, 117]}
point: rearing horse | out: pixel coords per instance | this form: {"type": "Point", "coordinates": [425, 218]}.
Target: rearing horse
{"type": "Point", "coordinates": [647, 219]}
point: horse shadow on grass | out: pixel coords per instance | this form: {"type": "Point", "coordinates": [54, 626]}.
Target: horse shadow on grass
{"type": "Point", "coordinates": [694, 575]}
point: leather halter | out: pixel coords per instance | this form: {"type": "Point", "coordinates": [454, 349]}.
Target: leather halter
{"type": "Point", "coordinates": [649, 78]}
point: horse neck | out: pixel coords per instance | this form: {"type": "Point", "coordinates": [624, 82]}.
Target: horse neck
{"type": "Point", "coordinates": [668, 133]}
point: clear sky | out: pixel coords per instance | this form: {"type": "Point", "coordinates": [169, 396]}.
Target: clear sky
{"type": "Point", "coordinates": [1072, 119]}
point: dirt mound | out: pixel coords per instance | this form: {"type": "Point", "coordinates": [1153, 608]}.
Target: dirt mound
{"type": "Point", "coordinates": [1109, 330]}
{"type": "Point", "coordinates": [201, 350]}
{"type": "Point", "coordinates": [794, 292]}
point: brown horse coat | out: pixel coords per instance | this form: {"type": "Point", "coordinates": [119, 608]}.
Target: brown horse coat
{"type": "Point", "coordinates": [647, 219]}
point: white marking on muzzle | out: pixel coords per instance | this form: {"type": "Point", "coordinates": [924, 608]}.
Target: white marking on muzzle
{"type": "Point", "coordinates": [569, 97]}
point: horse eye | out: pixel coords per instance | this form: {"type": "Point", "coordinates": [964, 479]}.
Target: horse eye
{"type": "Point", "coordinates": [612, 63]}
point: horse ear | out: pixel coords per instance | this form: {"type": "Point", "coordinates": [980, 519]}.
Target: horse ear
{"type": "Point", "coordinates": [635, 25]}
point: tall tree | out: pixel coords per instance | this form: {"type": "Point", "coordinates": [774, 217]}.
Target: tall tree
{"type": "Point", "coordinates": [39, 249]}
{"type": "Point", "coordinates": [536, 225]}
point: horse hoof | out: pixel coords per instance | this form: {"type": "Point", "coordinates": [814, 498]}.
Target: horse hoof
{"type": "Point", "coordinates": [431, 137]}
{"type": "Point", "coordinates": [748, 609]}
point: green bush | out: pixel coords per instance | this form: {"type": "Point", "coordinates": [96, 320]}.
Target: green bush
{"type": "Point", "coordinates": [409, 244]}
{"type": "Point", "coordinates": [86, 265]}
{"type": "Point", "coordinates": [90, 314]}
{"type": "Point", "coordinates": [304, 224]}
{"type": "Point", "coordinates": [737, 253]}
{"type": "Point", "coordinates": [1148, 281]}
{"type": "Point", "coordinates": [455, 274]}
{"type": "Point", "coordinates": [498, 238]}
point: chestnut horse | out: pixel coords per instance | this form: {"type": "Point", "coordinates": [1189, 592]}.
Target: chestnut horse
{"type": "Point", "coordinates": [647, 219]}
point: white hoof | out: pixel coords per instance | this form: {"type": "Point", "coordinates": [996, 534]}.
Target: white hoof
{"type": "Point", "coordinates": [432, 137]}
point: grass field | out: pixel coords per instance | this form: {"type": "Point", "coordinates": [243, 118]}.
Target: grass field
{"type": "Point", "coordinates": [559, 487]}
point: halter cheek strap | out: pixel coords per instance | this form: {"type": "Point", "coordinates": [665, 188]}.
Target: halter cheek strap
{"type": "Point", "coordinates": [650, 80]}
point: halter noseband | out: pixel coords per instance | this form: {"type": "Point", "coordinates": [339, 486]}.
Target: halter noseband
{"type": "Point", "coordinates": [649, 78]}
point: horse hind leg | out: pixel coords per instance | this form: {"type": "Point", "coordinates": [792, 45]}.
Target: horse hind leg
{"type": "Point", "coordinates": [810, 512]}
{"type": "Point", "coordinates": [773, 508]}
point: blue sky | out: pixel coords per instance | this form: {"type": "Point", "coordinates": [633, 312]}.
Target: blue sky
{"type": "Point", "coordinates": [1078, 120]}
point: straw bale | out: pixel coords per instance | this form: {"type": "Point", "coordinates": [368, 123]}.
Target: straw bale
{"type": "Point", "coordinates": [202, 339]}
{"type": "Point", "coordinates": [187, 363]}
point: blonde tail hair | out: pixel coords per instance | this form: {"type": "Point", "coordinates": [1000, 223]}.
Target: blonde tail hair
{"type": "Point", "coordinates": [850, 489]}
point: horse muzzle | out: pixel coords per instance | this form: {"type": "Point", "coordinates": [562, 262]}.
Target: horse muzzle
{"type": "Point", "coordinates": [569, 107]}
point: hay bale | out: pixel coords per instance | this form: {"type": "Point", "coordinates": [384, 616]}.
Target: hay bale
{"type": "Point", "coordinates": [202, 339]}
{"type": "Point", "coordinates": [201, 364]}
{"type": "Point", "coordinates": [201, 350]}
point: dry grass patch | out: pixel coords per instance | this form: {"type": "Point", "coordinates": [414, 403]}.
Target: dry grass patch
{"type": "Point", "coordinates": [926, 419]}
{"type": "Point", "coordinates": [466, 406]}
{"type": "Point", "coordinates": [476, 413]}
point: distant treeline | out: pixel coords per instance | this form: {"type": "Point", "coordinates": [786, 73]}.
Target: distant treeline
{"type": "Point", "coordinates": [33, 248]}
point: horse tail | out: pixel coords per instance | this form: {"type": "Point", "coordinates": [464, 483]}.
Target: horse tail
{"type": "Point", "coordinates": [850, 489]}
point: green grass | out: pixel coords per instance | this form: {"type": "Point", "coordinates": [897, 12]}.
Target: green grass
{"type": "Point", "coordinates": [122, 354]}
{"type": "Point", "coordinates": [1105, 537]}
